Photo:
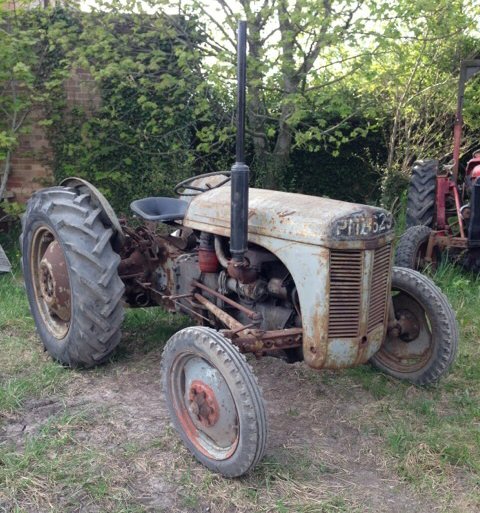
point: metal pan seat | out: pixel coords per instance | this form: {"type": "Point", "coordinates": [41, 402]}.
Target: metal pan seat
{"type": "Point", "coordinates": [160, 209]}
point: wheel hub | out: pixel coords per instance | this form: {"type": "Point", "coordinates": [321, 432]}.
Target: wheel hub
{"type": "Point", "coordinates": [54, 282]}
{"type": "Point", "coordinates": [409, 325]}
{"type": "Point", "coordinates": [206, 406]}
{"type": "Point", "coordinates": [203, 404]}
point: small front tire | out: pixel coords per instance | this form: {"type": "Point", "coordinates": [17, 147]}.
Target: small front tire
{"type": "Point", "coordinates": [427, 344]}
{"type": "Point", "coordinates": [214, 401]}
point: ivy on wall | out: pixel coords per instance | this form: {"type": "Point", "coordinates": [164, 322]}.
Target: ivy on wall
{"type": "Point", "coordinates": [158, 119]}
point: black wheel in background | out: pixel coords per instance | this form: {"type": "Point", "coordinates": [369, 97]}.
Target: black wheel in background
{"type": "Point", "coordinates": [412, 248]}
{"type": "Point", "coordinates": [421, 193]}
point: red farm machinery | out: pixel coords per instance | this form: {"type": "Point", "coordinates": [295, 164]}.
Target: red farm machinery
{"type": "Point", "coordinates": [443, 215]}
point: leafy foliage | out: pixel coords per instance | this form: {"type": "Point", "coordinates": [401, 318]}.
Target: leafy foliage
{"type": "Point", "coordinates": [340, 91]}
{"type": "Point", "coordinates": [27, 80]}
{"type": "Point", "coordinates": [152, 126]}
{"type": "Point", "coordinates": [326, 73]}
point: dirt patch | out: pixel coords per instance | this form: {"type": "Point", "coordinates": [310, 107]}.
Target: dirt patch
{"type": "Point", "coordinates": [318, 458]}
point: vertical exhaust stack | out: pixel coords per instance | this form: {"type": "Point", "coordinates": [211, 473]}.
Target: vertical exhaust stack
{"type": "Point", "coordinates": [239, 267]}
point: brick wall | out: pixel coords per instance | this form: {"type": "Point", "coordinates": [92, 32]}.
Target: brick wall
{"type": "Point", "coordinates": [29, 165]}
{"type": "Point", "coordinates": [31, 162]}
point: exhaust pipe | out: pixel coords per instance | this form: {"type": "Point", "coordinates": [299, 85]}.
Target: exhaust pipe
{"type": "Point", "coordinates": [240, 171]}
{"type": "Point", "coordinates": [238, 267]}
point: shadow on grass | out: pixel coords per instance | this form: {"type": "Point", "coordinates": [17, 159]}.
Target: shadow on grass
{"type": "Point", "coordinates": [145, 330]}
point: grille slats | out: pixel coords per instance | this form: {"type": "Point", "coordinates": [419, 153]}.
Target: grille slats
{"type": "Point", "coordinates": [345, 293]}
{"type": "Point", "coordinates": [345, 305]}
{"type": "Point", "coordinates": [379, 284]}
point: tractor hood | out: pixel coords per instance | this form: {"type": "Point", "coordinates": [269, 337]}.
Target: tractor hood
{"type": "Point", "coordinates": [293, 217]}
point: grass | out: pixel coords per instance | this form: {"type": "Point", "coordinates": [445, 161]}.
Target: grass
{"type": "Point", "coordinates": [24, 373]}
{"type": "Point", "coordinates": [427, 438]}
{"type": "Point", "coordinates": [433, 434]}
{"type": "Point", "coordinates": [55, 460]}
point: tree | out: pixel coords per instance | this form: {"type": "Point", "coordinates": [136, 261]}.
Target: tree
{"type": "Point", "coordinates": [151, 127]}
{"type": "Point", "coordinates": [412, 87]}
{"type": "Point", "coordinates": [304, 54]}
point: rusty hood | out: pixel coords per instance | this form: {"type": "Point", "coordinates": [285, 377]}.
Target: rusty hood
{"type": "Point", "coordinates": [292, 217]}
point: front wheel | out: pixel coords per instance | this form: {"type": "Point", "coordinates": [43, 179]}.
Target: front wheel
{"type": "Point", "coordinates": [214, 401]}
{"type": "Point", "coordinates": [423, 344]}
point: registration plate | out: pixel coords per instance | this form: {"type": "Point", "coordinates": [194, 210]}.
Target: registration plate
{"type": "Point", "coordinates": [363, 225]}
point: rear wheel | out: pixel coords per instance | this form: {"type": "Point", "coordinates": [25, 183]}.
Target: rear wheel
{"type": "Point", "coordinates": [412, 248]}
{"type": "Point", "coordinates": [423, 346]}
{"type": "Point", "coordinates": [421, 193]}
{"type": "Point", "coordinates": [71, 277]}
{"type": "Point", "coordinates": [214, 401]}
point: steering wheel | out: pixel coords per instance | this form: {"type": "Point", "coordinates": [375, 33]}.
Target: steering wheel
{"type": "Point", "coordinates": [476, 153]}
{"type": "Point", "coordinates": [187, 184]}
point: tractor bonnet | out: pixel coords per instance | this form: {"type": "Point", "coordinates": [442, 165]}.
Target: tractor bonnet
{"type": "Point", "coordinates": [294, 218]}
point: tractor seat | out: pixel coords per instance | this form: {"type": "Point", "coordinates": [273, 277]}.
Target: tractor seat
{"type": "Point", "coordinates": [159, 209]}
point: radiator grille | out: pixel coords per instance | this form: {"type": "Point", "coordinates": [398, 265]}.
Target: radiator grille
{"type": "Point", "coordinates": [379, 284]}
{"type": "Point", "coordinates": [345, 293]}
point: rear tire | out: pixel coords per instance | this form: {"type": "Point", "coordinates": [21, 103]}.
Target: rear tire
{"type": "Point", "coordinates": [421, 193]}
{"type": "Point", "coordinates": [427, 347]}
{"type": "Point", "coordinates": [86, 329]}
{"type": "Point", "coordinates": [412, 247]}
{"type": "Point", "coordinates": [201, 367]}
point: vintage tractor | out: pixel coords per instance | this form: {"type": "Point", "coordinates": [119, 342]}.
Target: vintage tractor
{"type": "Point", "coordinates": [259, 271]}
{"type": "Point", "coordinates": [443, 216]}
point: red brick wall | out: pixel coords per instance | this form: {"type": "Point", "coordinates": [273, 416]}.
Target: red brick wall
{"type": "Point", "coordinates": [30, 169]}
{"type": "Point", "coordinates": [29, 165]}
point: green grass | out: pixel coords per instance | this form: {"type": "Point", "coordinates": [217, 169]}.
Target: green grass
{"type": "Point", "coordinates": [433, 433]}
{"type": "Point", "coordinates": [25, 370]}
{"type": "Point", "coordinates": [55, 462]}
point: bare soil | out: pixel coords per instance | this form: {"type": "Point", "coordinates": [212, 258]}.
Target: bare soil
{"type": "Point", "coordinates": [320, 456]}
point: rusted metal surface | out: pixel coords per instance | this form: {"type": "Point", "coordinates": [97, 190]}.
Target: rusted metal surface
{"type": "Point", "coordinates": [458, 207]}
{"type": "Point", "coordinates": [51, 282]}
{"type": "Point", "coordinates": [227, 319]}
{"type": "Point", "coordinates": [409, 341]}
{"type": "Point", "coordinates": [147, 266]}
{"type": "Point", "coordinates": [207, 260]}
{"type": "Point", "coordinates": [54, 281]}
{"type": "Point", "coordinates": [409, 325]}
{"type": "Point", "coordinates": [300, 231]}
{"type": "Point", "coordinates": [379, 286]}
{"type": "Point", "coordinates": [346, 270]}
{"type": "Point", "coordinates": [322, 284]}
{"type": "Point", "coordinates": [211, 423]}
{"type": "Point", "coordinates": [292, 217]}
{"type": "Point", "coordinates": [442, 240]}
{"type": "Point", "coordinates": [249, 313]}
{"type": "Point", "coordinates": [269, 340]}
{"type": "Point", "coordinates": [242, 272]}
{"type": "Point", "coordinates": [203, 403]}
